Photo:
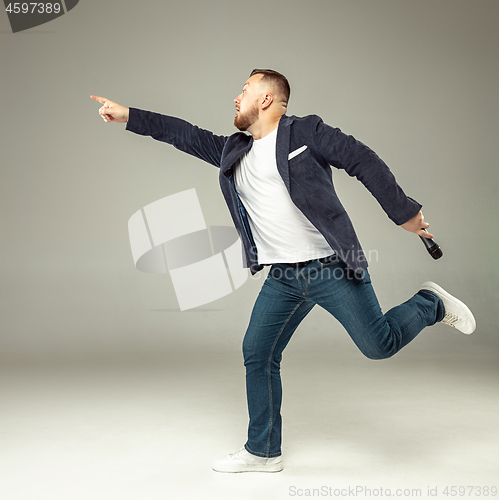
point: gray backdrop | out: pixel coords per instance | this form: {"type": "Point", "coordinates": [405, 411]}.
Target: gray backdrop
{"type": "Point", "coordinates": [415, 80]}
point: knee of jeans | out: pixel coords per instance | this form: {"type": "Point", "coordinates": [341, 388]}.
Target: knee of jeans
{"type": "Point", "coordinates": [254, 354]}
{"type": "Point", "coordinates": [250, 352]}
{"type": "Point", "coordinates": [377, 354]}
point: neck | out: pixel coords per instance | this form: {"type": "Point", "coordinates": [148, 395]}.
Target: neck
{"type": "Point", "coordinates": [263, 127]}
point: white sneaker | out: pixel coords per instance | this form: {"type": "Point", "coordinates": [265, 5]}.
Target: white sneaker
{"type": "Point", "coordinates": [457, 314]}
{"type": "Point", "coordinates": [243, 461]}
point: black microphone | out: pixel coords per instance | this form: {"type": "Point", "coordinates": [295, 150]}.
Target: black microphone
{"type": "Point", "coordinates": [431, 245]}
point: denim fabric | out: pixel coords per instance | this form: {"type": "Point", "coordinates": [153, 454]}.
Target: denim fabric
{"type": "Point", "coordinates": [287, 296]}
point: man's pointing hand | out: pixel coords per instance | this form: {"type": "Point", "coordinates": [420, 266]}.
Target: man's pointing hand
{"type": "Point", "coordinates": [111, 111]}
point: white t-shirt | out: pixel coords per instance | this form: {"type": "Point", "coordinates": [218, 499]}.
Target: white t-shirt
{"type": "Point", "coordinates": [280, 230]}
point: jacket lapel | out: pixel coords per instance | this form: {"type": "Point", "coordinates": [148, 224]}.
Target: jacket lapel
{"type": "Point", "coordinates": [235, 147]}
{"type": "Point", "coordinates": [282, 148]}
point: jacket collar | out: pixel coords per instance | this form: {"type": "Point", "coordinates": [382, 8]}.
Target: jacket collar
{"type": "Point", "coordinates": [239, 143]}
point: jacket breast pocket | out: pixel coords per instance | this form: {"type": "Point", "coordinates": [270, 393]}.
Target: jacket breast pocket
{"type": "Point", "coordinates": [296, 152]}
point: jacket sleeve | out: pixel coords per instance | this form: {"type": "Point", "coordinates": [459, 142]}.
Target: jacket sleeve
{"type": "Point", "coordinates": [181, 134]}
{"type": "Point", "coordinates": [345, 152]}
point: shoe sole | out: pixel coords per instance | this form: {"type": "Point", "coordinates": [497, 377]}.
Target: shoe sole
{"type": "Point", "coordinates": [251, 468]}
{"type": "Point", "coordinates": [438, 290]}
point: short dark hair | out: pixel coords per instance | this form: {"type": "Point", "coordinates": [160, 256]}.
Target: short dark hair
{"type": "Point", "coordinates": [276, 79]}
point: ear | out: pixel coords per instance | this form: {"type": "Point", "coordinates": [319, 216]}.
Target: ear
{"type": "Point", "coordinates": [267, 100]}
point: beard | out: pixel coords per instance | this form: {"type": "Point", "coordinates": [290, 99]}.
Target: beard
{"type": "Point", "coordinates": [244, 121]}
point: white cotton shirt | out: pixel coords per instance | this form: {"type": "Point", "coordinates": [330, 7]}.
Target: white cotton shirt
{"type": "Point", "coordinates": [280, 230]}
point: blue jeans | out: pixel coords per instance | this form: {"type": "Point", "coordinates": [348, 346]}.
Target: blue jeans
{"type": "Point", "coordinates": [287, 296]}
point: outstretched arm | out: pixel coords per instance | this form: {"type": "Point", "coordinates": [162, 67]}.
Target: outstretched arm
{"type": "Point", "coordinates": [186, 137]}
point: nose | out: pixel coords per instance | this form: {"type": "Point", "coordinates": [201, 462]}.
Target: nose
{"type": "Point", "coordinates": [237, 100]}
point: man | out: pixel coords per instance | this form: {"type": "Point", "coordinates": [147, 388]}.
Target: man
{"type": "Point", "coordinates": [277, 183]}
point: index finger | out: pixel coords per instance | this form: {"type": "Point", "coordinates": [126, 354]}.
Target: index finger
{"type": "Point", "coordinates": [102, 100]}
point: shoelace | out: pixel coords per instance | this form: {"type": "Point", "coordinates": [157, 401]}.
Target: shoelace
{"type": "Point", "coordinates": [451, 319]}
{"type": "Point", "coordinates": [240, 452]}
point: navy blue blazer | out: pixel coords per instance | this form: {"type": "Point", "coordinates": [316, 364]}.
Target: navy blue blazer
{"type": "Point", "coordinates": [305, 151]}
